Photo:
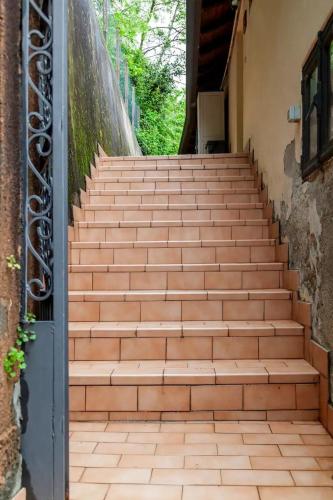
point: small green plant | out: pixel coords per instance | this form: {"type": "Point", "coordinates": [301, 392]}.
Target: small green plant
{"type": "Point", "coordinates": [15, 358]}
{"type": "Point", "coordinates": [12, 263]}
{"type": "Point", "coordinates": [14, 361]}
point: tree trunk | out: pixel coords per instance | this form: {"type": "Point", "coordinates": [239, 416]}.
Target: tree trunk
{"type": "Point", "coordinates": [150, 13]}
{"type": "Point", "coordinates": [165, 45]}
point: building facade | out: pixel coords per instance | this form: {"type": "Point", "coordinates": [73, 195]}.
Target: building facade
{"type": "Point", "coordinates": [266, 76]}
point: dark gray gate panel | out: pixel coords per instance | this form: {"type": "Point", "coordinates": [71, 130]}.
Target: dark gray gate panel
{"type": "Point", "coordinates": [37, 386]}
{"type": "Point", "coordinates": [45, 381]}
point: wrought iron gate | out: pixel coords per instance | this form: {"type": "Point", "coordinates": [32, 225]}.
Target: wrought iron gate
{"type": "Point", "coordinates": [45, 381]}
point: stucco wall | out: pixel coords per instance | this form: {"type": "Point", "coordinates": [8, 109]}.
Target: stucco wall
{"type": "Point", "coordinates": [278, 38]}
{"type": "Point", "coordinates": [279, 35]}
{"type": "Point", "coordinates": [10, 236]}
{"type": "Point", "coordinates": [236, 94]}
{"type": "Point", "coordinates": [96, 110]}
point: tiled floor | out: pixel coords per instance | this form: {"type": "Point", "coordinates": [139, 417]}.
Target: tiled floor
{"type": "Point", "coordinates": [194, 461]}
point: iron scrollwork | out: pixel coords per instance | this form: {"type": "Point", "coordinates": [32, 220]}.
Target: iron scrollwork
{"type": "Point", "coordinates": [39, 149]}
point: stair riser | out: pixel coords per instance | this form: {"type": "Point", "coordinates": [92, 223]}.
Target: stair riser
{"type": "Point", "coordinates": [207, 255]}
{"type": "Point", "coordinates": [176, 175]}
{"type": "Point", "coordinates": [238, 232]}
{"type": "Point", "coordinates": [173, 199]}
{"type": "Point", "coordinates": [211, 182]}
{"type": "Point", "coordinates": [101, 199]}
{"type": "Point", "coordinates": [230, 280]}
{"type": "Point", "coordinates": [177, 310]}
{"type": "Point", "coordinates": [182, 398]}
{"type": "Point", "coordinates": [176, 416]}
{"type": "Point", "coordinates": [170, 215]}
{"type": "Point", "coordinates": [175, 159]}
{"type": "Point", "coordinates": [165, 199]}
{"type": "Point", "coordinates": [175, 169]}
{"type": "Point", "coordinates": [186, 348]}
{"type": "Point", "coordinates": [149, 184]}
{"type": "Point", "coordinates": [227, 160]}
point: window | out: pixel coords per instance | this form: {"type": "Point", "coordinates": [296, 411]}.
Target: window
{"type": "Point", "coordinates": [317, 93]}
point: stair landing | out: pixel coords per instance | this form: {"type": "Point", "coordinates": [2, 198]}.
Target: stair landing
{"type": "Point", "coordinates": [201, 460]}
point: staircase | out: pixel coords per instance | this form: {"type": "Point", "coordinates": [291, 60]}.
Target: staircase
{"type": "Point", "coordinates": [178, 302]}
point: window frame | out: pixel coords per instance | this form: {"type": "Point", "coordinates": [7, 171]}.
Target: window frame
{"type": "Point", "coordinates": [319, 57]}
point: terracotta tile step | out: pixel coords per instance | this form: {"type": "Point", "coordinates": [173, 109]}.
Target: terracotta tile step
{"type": "Point", "coordinates": [175, 253]}
{"type": "Point", "coordinates": [238, 229]}
{"type": "Point", "coordinates": [178, 177]}
{"type": "Point", "coordinates": [189, 277]}
{"type": "Point", "coordinates": [235, 169]}
{"type": "Point", "coordinates": [113, 387]}
{"type": "Point", "coordinates": [213, 170]}
{"type": "Point", "coordinates": [206, 158]}
{"type": "Point", "coordinates": [161, 202]}
{"type": "Point", "coordinates": [166, 182]}
{"type": "Point", "coordinates": [185, 340]}
{"type": "Point", "coordinates": [172, 252]}
{"type": "Point", "coordinates": [195, 195]}
{"type": "Point", "coordinates": [176, 223]}
{"type": "Point", "coordinates": [192, 372]}
{"type": "Point", "coordinates": [120, 213]}
{"type": "Point", "coordinates": [177, 305]}
{"type": "Point", "coordinates": [273, 328]}
{"type": "Point", "coordinates": [172, 243]}
{"type": "Point", "coordinates": [172, 417]}
{"type": "Point", "coordinates": [167, 189]}
{"type": "Point", "coordinates": [195, 347]}
{"type": "Point", "coordinates": [175, 295]}
{"type": "Point", "coordinates": [104, 268]}
{"type": "Point", "coordinates": [244, 180]}
{"type": "Point", "coordinates": [103, 162]}
{"type": "Point", "coordinates": [177, 211]}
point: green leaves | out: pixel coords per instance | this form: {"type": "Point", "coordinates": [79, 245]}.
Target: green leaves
{"type": "Point", "coordinates": [15, 358]}
{"type": "Point", "coordinates": [153, 36]}
{"type": "Point", "coordinates": [14, 362]}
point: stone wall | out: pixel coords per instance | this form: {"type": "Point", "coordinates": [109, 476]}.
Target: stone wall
{"type": "Point", "coordinates": [96, 111]}
{"type": "Point", "coordinates": [10, 236]}
{"type": "Point", "coordinates": [306, 221]}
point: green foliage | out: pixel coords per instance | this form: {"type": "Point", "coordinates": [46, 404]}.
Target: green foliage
{"type": "Point", "coordinates": [14, 362]}
{"type": "Point", "coordinates": [161, 130]}
{"type": "Point", "coordinates": [153, 43]}
{"type": "Point", "coordinates": [12, 263]}
{"type": "Point", "coordinates": [15, 358]}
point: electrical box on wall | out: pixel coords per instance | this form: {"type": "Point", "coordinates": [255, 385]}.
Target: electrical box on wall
{"type": "Point", "coordinates": [211, 121]}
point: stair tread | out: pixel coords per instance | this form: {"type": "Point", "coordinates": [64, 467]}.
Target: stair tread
{"type": "Point", "coordinates": [160, 191]}
{"type": "Point", "coordinates": [175, 223]}
{"type": "Point", "coordinates": [105, 157]}
{"type": "Point", "coordinates": [179, 166]}
{"type": "Point", "coordinates": [171, 178]}
{"type": "Point", "coordinates": [191, 372]}
{"type": "Point", "coordinates": [172, 206]}
{"type": "Point", "coordinates": [252, 266]}
{"type": "Point", "coordinates": [172, 243]}
{"type": "Point", "coordinates": [277, 326]}
{"type": "Point", "coordinates": [170, 295]}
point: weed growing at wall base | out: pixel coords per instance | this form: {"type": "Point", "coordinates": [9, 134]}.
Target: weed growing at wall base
{"type": "Point", "coordinates": [15, 359]}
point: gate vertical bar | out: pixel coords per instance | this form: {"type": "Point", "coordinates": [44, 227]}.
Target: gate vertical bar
{"type": "Point", "coordinates": [44, 383]}
{"type": "Point", "coordinates": [60, 271]}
